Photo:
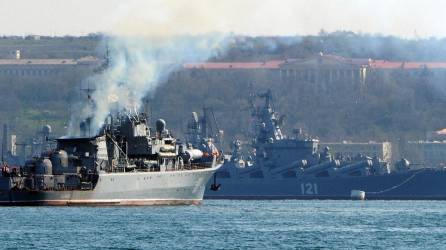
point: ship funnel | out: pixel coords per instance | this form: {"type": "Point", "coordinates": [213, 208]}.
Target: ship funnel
{"type": "Point", "coordinates": [84, 127]}
{"type": "Point", "coordinates": [160, 125]}
{"type": "Point", "coordinates": [195, 117]}
{"type": "Point", "coordinates": [46, 130]}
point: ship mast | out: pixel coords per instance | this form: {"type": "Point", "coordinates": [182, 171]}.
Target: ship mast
{"type": "Point", "coordinates": [268, 126]}
{"type": "Point", "coordinates": [90, 102]}
{"type": "Point", "coordinates": [4, 141]}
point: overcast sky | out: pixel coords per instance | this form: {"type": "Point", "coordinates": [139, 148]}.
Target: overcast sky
{"type": "Point", "coordinates": [407, 18]}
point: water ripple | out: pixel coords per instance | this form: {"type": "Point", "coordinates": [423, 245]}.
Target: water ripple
{"type": "Point", "coordinates": [230, 225]}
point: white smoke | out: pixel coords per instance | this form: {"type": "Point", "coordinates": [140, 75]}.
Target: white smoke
{"type": "Point", "coordinates": [149, 40]}
{"type": "Point", "coordinates": [137, 66]}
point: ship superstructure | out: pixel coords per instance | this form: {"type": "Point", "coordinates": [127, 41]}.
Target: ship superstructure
{"type": "Point", "coordinates": [127, 163]}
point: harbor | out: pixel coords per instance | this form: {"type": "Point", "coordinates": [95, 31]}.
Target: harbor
{"type": "Point", "coordinates": [235, 124]}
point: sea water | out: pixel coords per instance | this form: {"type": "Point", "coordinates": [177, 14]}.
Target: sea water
{"type": "Point", "coordinates": [220, 224]}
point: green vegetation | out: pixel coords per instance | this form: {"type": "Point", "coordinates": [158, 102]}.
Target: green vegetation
{"type": "Point", "coordinates": [343, 43]}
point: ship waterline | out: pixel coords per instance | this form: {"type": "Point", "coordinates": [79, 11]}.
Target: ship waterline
{"type": "Point", "coordinates": [428, 184]}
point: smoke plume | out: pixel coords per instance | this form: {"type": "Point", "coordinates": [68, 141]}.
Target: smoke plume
{"type": "Point", "coordinates": [137, 66]}
{"type": "Point", "coordinates": [143, 51]}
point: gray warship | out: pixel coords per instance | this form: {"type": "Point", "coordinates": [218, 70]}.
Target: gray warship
{"type": "Point", "coordinates": [279, 167]}
{"type": "Point", "coordinates": [127, 163]}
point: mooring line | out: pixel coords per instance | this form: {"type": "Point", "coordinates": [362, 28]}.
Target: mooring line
{"type": "Point", "coordinates": [397, 186]}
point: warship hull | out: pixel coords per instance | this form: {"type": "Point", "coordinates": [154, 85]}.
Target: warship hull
{"type": "Point", "coordinates": [127, 189]}
{"type": "Point", "coordinates": [424, 184]}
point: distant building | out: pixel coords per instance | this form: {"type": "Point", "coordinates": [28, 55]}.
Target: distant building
{"type": "Point", "coordinates": [383, 150]}
{"type": "Point", "coordinates": [325, 69]}
{"type": "Point", "coordinates": [21, 67]}
{"type": "Point", "coordinates": [431, 153]}
{"type": "Point", "coordinates": [320, 69]}
{"type": "Point", "coordinates": [8, 147]}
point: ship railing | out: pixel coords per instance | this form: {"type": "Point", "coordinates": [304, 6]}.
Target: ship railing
{"type": "Point", "coordinates": [176, 167]}
{"type": "Point", "coordinates": [191, 166]}
{"type": "Point", "coordinates": [194, 166]}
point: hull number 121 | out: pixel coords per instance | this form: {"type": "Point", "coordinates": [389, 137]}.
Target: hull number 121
{"type": "Point", "coordinates": [308, 188]}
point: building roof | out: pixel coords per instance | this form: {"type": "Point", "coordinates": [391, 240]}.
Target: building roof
{"type": "Point", "coordinates": [36, 61]}
{"type": "Point", "coordinates": [355, 61]}
{"type": "Point", "coordinates": [384, 64]}
{"type": "Point", "coordinates": [24, 61]}
{"type": "Point", "coordinates": [276, 64]}
{"type": "Point", "coordinates": [273, 64]}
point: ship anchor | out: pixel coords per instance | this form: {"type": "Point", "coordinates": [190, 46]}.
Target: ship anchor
{"type": "Point", "coordinates": [215, 186]}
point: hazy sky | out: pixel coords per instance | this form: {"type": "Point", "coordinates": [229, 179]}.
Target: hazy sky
{"type": "Point", "coordinates": [408, 18]}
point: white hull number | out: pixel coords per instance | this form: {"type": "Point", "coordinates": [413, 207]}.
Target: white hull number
{"type": "Point", "coordinates": [308, 188]}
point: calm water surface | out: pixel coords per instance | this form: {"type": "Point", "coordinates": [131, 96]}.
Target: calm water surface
{"type": "Point", "coordinates": [230, 225]}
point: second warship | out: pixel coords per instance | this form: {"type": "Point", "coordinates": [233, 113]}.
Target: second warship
{"type": "Point", "coordinates": [280, 167]}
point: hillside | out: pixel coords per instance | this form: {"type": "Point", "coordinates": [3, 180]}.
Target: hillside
{"type": "Point", "coordinates": [396, 108]}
